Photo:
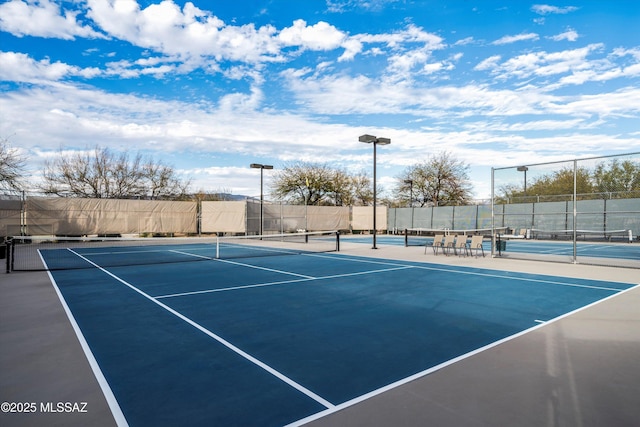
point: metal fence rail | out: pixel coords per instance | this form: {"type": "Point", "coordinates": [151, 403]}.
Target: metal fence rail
{"type": "Point", "coordinates": [578, 201]}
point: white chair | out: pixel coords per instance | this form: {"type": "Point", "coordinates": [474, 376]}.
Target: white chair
{"type": "Point", "coordinates": [460, 245]}
{"type": "Point", "coordinates": [448, 244]}
{"type": "Point", "coordinates": [476, 244]}
{"type": "Point", "coordinates": [436, 244]}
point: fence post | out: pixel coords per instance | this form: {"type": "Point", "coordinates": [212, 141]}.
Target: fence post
{"type": "Point", "coordinates": [575, 211]}
{"type": "Point", "coordinates": [7, 255]}
{"type": "Point", "coordinates": [493, 223]}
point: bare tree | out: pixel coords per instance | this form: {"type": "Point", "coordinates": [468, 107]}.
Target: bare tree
{"type": "Point", "coordinates": [440, 181]}
{"type": "Point", "coordinates": [319, 184]}
{"type": "Point", "coordinates": [102, 173]}
{"type": "Point", "coordinates": [12, 166]}
{"type": "Point", "coordinates": [162, 182]}
{"type": "Point", "coordinates": [302, 183]}
{"type": "Point", "coordinates": [362, 191]}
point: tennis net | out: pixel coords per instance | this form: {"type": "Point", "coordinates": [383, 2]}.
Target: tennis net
{"type": "Point", "coordinates": [423, 236]}
{"type": "Point", "coordinates": [583, 235]}
{"type": "Point", "coordinates": [31, 253]}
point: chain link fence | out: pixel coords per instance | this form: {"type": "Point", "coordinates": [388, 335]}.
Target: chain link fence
{"type": "Point", "coordinates": [591, 204]}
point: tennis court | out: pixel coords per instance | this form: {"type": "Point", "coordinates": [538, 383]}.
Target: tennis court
{"type": "Point", "coordinates": [278, 340]}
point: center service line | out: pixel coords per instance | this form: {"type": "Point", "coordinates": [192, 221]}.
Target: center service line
{"type": "Point", "coordinates": [218, 338]}
{"type": "Point", "coordinates": [244, 265]}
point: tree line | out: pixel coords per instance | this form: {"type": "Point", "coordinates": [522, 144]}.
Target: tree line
{"type": "Point", "coordinates": [613, 179]}
{"type": "Point", "coordinates": [440, 180]}
{"type": "Point", "coordinates": [102, 173]}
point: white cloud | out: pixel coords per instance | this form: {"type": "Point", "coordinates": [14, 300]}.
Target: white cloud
{"type": "Point", "coordinates": [410, 52]}
{"type": "Point", "coordinates": [186, 32]}
{"type": "Point", "coordinates": [624, 103]}
{"type": "Point", "coordinates": [188, 38]}
{"type": "Point", "coordinates": [234, 179]}
{"type": "Point", "coordinates": [320, 36]}
{"type": "Point", "coordinates": [545, 9]}
{"type": "Point", "coordinates": [19, 67]}
{"type": "Point", "coordinates": [349, 95]}
{"type": "Point", "coordinates": [516, 38]}
{"type": "Point", "coordinates": [544, 63]}
{"type": "Point", "coordinates": [351, 47]}
{"type": "Point", "coordinates": [401, 65]}
{"type": "Point", "coordinates": [190, 32]}
{"type": "Point", "coordinates": [433, 67]}
{"type": "Point", "coordinates": [340, 6]}
{"type": "Point", "coordinates": [464, 42]}
{"type": "Point", "coordinates": [342, 95]}
{"type": "Point", "coordinates": [75, 118]}
{"type": "Point", "coordinates": [42, 18]}
{"type": "Point", "coordinates": [569, 35]}
{"type": "Point", "coordinates": [489, 63]}
{"type": "Point", "coordinates": [398, 39]}
{"type": "Point", "coordinates": [68, 116]}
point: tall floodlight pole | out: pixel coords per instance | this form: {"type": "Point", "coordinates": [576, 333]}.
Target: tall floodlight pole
{"type": "Point", "coordinates": [410, 182]}
{"type": "Point", "coordinates": [524, 169]}
{"type": "Point", "coordinates": [262, 168]}
{"type": "Point", "coordinates": [370, 139]}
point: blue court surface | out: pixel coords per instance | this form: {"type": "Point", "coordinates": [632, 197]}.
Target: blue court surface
{"type": "Point", "coordinates": [281, 340]}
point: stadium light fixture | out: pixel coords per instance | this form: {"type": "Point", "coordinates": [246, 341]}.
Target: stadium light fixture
{"type": "Point", "coordinates": [370, 139]}
{"type": "Point", "coordinates": [262, 168]}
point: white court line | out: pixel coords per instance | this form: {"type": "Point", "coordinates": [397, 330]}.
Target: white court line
{"type": "Point", "coordinates": [245, 265]}
{"type": "Point", "coordinates": [384, 270]}
{"type": "Point", "coordinates": [231, 288]}
{"type": "Point", "coordinates": [218, 338]}
{"type": "Point", "coordinates": [584, 247]}
{"type": "Point", "coordinates": [333, 408]}
{"type": "Point", "coordinates": [433, 369]}
{"type": "Point", "coordinates": [475, 273]}
{"type": "Point", "coordinates": [114, 406]}
{"type": "Point", "coordinates": [525, 279]}
{"type": "Point", "coordinates": [283, 282]}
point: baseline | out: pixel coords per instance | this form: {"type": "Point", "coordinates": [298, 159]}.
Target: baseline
{"type": "Point", "coordinates": [443, 365]}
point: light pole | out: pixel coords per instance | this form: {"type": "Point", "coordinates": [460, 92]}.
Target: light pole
{"type": "Point", "coordinates": [524, 169]}
{"type": "Point", "coordinates": [410, 182]}
{"type": "Point", "coordinates": [262, 168]}
{"type": "Point", "coordinates": [370, 139]}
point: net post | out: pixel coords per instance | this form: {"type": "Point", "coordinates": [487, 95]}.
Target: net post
{"type": "Point", "coordinates": [337, 241]}
{"type": "Point", "coordinates": [406, 237]}
{"type": "Point", "coordinates": [7, 254]}
{"type": "Point", "coordinates": [12, 254]}
{"type": "Point", "coordinates": [217, 246]}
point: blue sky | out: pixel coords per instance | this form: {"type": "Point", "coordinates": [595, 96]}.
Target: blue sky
{"type": "Point", "coordinates": [212, 86]}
